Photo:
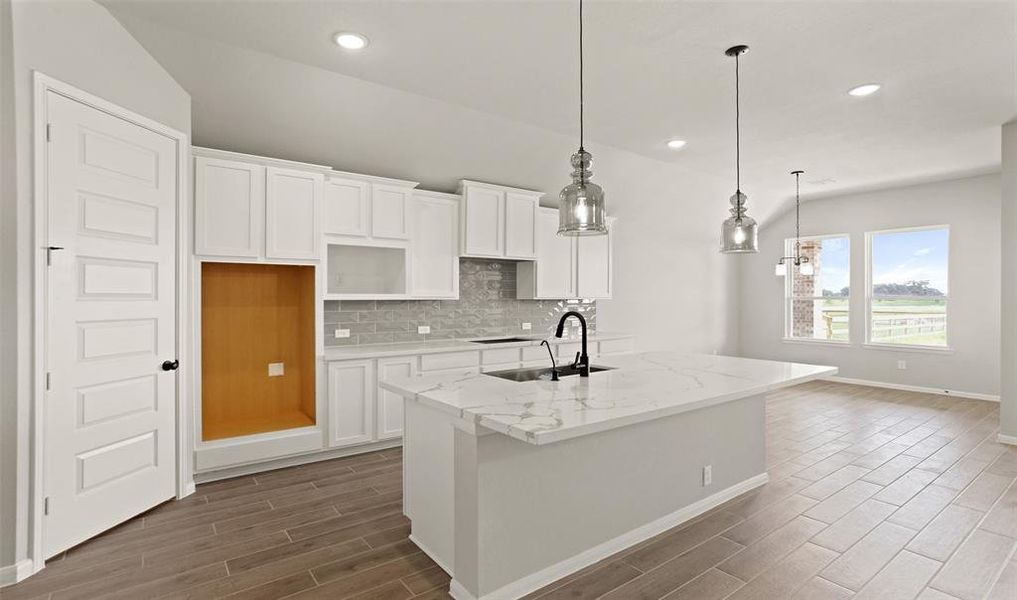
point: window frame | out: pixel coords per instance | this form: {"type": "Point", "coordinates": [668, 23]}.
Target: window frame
{"type": "Point", "coordinates": [789, 298]}
{"type": "Point", "coordinates": [869, 235]}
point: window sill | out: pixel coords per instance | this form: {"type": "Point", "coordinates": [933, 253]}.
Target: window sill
{"type": "Point", "coordinates": [841, 343]}
{"type": "Point", "coordinates": [910, 348]}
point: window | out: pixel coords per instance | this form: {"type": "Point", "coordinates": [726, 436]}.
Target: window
{"type": "Point", "coordinates": [907, 295]}
{"type": "Point", "coordinates": [816, 305]}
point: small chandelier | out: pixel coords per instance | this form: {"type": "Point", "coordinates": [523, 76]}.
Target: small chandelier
{"type": "Point", "coordinates": [581, 204]}
{"type": "Point", "coordinates": [739, 232]}
{"type": "Point", "coordinates": [802, 262]}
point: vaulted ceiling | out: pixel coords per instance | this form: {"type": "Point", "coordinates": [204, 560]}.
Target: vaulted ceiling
{"type": "Point", "coordinates": [657, 70]}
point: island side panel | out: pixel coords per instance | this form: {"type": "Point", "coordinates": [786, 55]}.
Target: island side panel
{"type": "Point", "coordinates": [428, 487]}
{"type": "Point", "coordinates": [527, 515]}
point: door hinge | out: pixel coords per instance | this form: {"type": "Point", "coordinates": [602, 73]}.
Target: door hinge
{"type": "Point", "coordinates": [49, 132]}
{"type": "Point", "coordinates": [45, 505]}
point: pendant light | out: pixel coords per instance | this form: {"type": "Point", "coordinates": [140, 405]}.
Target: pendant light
{"type": "Point", "coordinates": [802, 262]}
{"type": "Point", "coordinates": [739, 232]}
{"type": "Point", "coordinates": [581, 204]}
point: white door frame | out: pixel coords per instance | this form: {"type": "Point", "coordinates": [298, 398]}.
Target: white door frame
{"type": "Point", "coordinates": [44, 84]}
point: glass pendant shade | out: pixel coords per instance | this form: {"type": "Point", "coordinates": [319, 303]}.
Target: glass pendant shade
{"type": "Point", "coordinates": [780, 270]}
{"type": "Point", "coordinates": [739, 234]}
{"type": "Point", "coordinates": [581, 204]}
{"type": "Point", "coordinates": [806, 269]}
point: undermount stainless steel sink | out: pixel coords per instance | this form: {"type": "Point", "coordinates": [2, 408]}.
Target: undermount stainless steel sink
{"type": "Point", "coordinates": [540, 373]}
{"type": "Point", "coordinates": [503, 340]}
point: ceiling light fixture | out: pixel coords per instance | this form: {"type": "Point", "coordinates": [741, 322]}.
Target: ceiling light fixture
{"type": "Point", "coordinates": [739, 233]}
{"type": "Point", "coordinates": [802, 262]}
{"type": "Point", "coordinates": [581, 204]}
{"type": "Point", "coordinates": [864, 90]}
{"type": "Point", "coordinates": [350, 40]}
{"type": "Point", "coordinates": [676, 144]}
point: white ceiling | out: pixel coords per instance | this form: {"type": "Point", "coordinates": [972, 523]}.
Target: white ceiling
{"type": "Point", "coordinates": [657, 70]}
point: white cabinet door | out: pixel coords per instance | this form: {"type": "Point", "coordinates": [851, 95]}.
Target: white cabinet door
{"type": "Point", "coordinates": [435, 247]}
{"type": "Point", "coordinates": [595, 272]}
{"type": "Point", "coordinates": [229, 207]}
{"type": "Point", "coordinates": [390, 405]}
{"type": "Point", "coordinates": [389, 211]}
{"type": "Point", "coordinates": [347, 207]}
{"type": "Point", "coordinates": [292, 213]}
{"type": "Point", "coordinates": [483, 222]}
{"type": "Point", "coordinates": [556, 259]}
{"type": "Point", "coordinates": [350, 402]}
{"type": "Point", "coordinates": [520, 225]}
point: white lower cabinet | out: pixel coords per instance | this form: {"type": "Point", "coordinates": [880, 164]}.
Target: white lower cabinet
{"type": "Point", "coordinates": [390, 406]}
{"type": "Point", "coordinates": [351, 386]}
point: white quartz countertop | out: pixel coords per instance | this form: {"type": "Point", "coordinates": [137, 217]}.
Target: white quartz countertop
{"type": "Point", "coordinates": [642, 387]}
{"type": "Point", "coordinates": [457, 345]}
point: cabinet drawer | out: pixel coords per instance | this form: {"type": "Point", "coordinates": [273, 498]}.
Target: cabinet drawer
{"type": "Point", "coordinates": [499, 356]}
{"type": "Point", "coordinates": [535, 353]}
{"type": "Point", "coordinates": [623, 346]}
{"type": "Point", "coordinates": [452, 360]}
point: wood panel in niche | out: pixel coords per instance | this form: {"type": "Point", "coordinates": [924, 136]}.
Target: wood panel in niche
{"type": "Point", "coordinates": [251, 316]}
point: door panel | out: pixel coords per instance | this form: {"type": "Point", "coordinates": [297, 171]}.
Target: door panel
{"type": "Point", "coordinates": [110, 422]}
{"type": "Point", "coordinates": [388, 211]}
{"type": "Point", "coordinates": [435, 248]}
{"type": "Point", "coordinates": [229, 208]}
{"type": "Point", "coordinates": [484, 222]}
{"type": "Point", "coordinates": [520, 225]}
{"type": "Point", "coordinates": [595, 274]}
{"type": "Point", "coordinates": [350, 402]}
{"type": "Point", "coordinates": [292, 213]}
{"type": "Point", "coordinates": [556, 258]}
{"type": "Point", "coordinates": [346, 207]}
{"type": "Point", "coordinates": [390, 405]}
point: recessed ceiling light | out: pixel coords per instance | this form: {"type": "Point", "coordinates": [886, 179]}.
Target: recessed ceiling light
{"type": "Point", "coordinates": [864, 90]}
{"type": "Point", "coordinates": [676, 144]}
{"type": "Point", "coordinates": [350, 40]}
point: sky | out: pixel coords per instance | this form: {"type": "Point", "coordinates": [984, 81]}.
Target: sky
{"type": "Point", "coordinates": [911, 256]}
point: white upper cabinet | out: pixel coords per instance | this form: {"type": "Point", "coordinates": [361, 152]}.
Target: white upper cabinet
{"type": "Point", "coordinates": [229, 207]}
{"type": "Point", "coordinates": [567, 267]}
{"type": "Point", "coordinates": [435, 246]}
{"type": "Point", "coordinates": [553, 274]}
{"type": "Point", "coordinates": [594, 256]}
{"type": "Point", "coordinates": [390, 211]}
{"type": "Point", "coordinates": [521, 225]}
{"type": "Point", "coordinates": [347, 206]}
{"type": "Point", "coordinates": [292, 213]}
{"type": "Point", "coordinates": [497, 221]}
{"type": "Point", "coordinates": [368, 207]}
{"type": "Point", "coordinates": [256, 208]}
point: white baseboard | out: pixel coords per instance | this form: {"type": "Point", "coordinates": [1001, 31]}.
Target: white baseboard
{"type": "Point", "coordinates": [19, 571]}
{"type": "Point", "coordinates": [291, 461]}
{"type": "Point", "coordinates": [553, 573]}
{"type": "Point", "coordinates": [432, 555]}
{"type": "Point", "coordinates": [913, 388]}
{"type": "Point", "coordinates": [1002, 438]}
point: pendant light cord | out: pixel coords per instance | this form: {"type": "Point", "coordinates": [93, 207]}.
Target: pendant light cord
{"type": "Point", "coordinates": [581, 76]}
{"type": "Point", "coordinates": [798, 221]}
{"type": "Point", "coordinates": [738, 138]}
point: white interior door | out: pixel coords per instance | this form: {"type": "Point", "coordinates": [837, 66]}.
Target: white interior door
{"type": "Point", "coordinates": [110, 427]}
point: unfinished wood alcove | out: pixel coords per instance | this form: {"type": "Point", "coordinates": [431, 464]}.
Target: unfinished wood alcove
{"type": "Point", "coordinates": [253, 315]}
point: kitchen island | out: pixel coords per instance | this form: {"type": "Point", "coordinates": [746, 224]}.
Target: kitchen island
{"type": "Point", "coordinates": [512, 485]}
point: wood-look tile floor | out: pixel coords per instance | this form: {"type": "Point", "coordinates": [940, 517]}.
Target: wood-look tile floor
{"type": "Point", "coordinates": [873, 494]}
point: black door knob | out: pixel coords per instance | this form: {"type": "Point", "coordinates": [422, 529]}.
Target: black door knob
{"type": "Point", "coordinates": [170, 365]}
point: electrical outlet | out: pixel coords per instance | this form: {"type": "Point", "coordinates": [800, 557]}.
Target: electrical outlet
{"type": "Point", "coordinates": [275, 369]}
{"type": "Point", "coordinates": [527, 326]}
{"type": "Point", "coordinates": [902, 365]}
{"type": "Point", "coordinates": [342, 333]}
{"type": "Point", "coordinates": [423, 329]}
{"type": "Point", "coordinates": [707, 475]}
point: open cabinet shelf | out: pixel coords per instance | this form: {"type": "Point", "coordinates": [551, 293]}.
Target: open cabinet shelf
{"type": "Point", "coordinates": [253, 316]}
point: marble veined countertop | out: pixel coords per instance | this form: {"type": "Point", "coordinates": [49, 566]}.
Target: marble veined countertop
{"type": "Point", "coordinates": [456, 345]}
{"type": "Point", "coordinates": [642, 387]}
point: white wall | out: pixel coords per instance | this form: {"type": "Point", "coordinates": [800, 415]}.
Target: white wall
{"type": "Point", "coordinates": [1008, 229]}
{"type": "Point", "coordinates": [971, 207]}
{"type": "Point", "coordinates": [673, 289]}
{"type": "Point", "coordinates": [79, 42]}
